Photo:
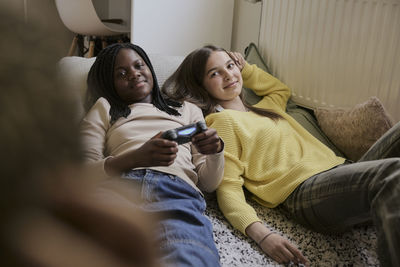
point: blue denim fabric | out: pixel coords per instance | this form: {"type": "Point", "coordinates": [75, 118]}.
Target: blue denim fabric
{"type": "Point", "coordinates": [185, 233]}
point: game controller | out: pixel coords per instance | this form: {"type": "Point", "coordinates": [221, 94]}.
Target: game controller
{"type": "Point", "coordinates": [184, 134]}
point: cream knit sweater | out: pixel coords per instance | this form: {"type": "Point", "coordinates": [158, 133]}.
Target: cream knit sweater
{"type": "Point", "coordinates": [100, 140]}
{"type": "Point", "coordinates": [269, 158]}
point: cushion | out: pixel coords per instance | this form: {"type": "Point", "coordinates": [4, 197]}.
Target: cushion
{"type": "Point", "coordinates": [253, 56]}
{"type": "Point", "coordinates": [164, 66]}
{"type": "Point", "coordinates": [354, 130]}
{"type": "Point", "coordinates": [73, 72]}
{"type": "Point", "coordinates": [302, 115]}
{"type": "Point", "coordinates": [306, 118]}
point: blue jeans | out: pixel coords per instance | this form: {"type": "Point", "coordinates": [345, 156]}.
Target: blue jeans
{"type": "Point", "coordinates": [185, 234]}
{"type": "Point", "coordinates": [355, 193]}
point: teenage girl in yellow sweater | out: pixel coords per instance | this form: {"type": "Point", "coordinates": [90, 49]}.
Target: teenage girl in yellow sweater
{"type": "Point", "coordinates": [280, 163]}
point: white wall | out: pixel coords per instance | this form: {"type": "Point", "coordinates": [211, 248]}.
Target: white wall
{"type": "Point", "coordinates": [176, 27]}
{"type": "Point", "coordinates": [246, 24]}
{"type": "Point", "coordinates": [179, 26]}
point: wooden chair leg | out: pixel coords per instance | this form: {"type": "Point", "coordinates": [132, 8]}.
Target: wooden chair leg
{"type": "Point", "coordinates": [81, 45]}
{"type": "Point", "coordinates": [72, 48]}
{"type": "Point", "coordinates": [103, 43]}
{"type": "Point", "coordinates": [91, 47]}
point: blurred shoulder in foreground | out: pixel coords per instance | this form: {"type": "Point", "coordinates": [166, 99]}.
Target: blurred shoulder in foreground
{"type": "Point", "coordinates": [55, 213]}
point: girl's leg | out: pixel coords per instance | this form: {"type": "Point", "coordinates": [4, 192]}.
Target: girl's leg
{"type": "Point", "coordinates": [388, 146]}
{"type": "Point", "coordinates": [185, 233]}
{"type": "Point", "coordinates": [335, 200]}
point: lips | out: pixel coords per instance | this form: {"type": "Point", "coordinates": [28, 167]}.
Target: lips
{"type": "Point", "coordinates": [230, 85]}
{"type": "Point", "coordinates": [138, 83]}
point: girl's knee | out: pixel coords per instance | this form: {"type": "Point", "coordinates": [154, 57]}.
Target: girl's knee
{"type": "Point", "coordinates": [387, 181]}
{"type": "Point", "coordinates": [393, 165]}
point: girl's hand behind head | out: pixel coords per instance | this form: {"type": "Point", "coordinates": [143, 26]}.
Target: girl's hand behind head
{"type": "Point", "coordinates": [238, 58]}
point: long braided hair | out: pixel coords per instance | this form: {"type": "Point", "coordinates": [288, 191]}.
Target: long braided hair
{"type": "Point", "coordinates": [186, 84]}
{"type": "Point", "coordinates": [100, 83]}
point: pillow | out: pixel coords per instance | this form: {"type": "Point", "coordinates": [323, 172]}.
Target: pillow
{"type": "Point", "coordinates": [164, 66]}
{"type": "Point", "coordinates": [73, 73]}
{"type": "Point", "coordinates": [306, 118]}
{"type": "Point", "coordinates": [302, 115]}
{"type": "Point", "coordinates": [354, 130]}
{"type": "Point", "coordinates": [253, 56]}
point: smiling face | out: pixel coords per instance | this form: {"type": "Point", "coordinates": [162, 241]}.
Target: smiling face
{"type": "Point", "coordinates": [222, 79]}
{"type": "Point", "coordinates": [133, 80]}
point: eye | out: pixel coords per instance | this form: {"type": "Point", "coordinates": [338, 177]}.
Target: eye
{"type": "Point", "coordinates": [122, 74]}
{"type": "Point", "coordinates": [139, 65]}
{"type": "Point", "coordinates": [213, 74]}
{"type": "Point", "coordinates": [230, 66]}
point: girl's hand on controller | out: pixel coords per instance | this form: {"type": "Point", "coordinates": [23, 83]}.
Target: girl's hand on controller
{"type": "Point", "coordinates": [208, 142]}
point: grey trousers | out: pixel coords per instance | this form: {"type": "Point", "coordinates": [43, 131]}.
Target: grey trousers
{"type": "Point", "coordinates": [354, 193]}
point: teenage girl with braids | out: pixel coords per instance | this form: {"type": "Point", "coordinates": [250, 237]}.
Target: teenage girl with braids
{"type": "Point", "coordinates": [280, 163]}
{"type": "Point", "coordinates": [121, 132]}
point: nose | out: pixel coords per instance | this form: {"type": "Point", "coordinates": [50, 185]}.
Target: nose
{"type": "Point", "coordinates": [228, 75]}
{"type": "Point", "coordinates": [133, 74]}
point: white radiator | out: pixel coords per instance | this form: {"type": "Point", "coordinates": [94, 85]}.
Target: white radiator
{"type": "Point", "coordinates": [334, 52]}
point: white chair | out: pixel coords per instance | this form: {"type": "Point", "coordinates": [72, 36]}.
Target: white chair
{"type": "Point", "coordinates": [80, 17]}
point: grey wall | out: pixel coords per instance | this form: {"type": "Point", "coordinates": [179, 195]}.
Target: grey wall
{"type": "Point", "coordinates": [246, 24]}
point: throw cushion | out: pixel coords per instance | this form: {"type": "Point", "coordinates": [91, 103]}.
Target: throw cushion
{"type": "Point", "coordinates": [306, 118]}
{"type": "Point", "coordinates": [354, 130]}
{"type": "Point", "coordinates": [253, 56]}
{"type": "Point", "coordinates": [164, 66]}
{"type": "Point", "coordinates": [73, 73]}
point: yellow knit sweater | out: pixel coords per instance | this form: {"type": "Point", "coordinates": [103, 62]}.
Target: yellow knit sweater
{"type": "Point", "coordinates": [269, 158]}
